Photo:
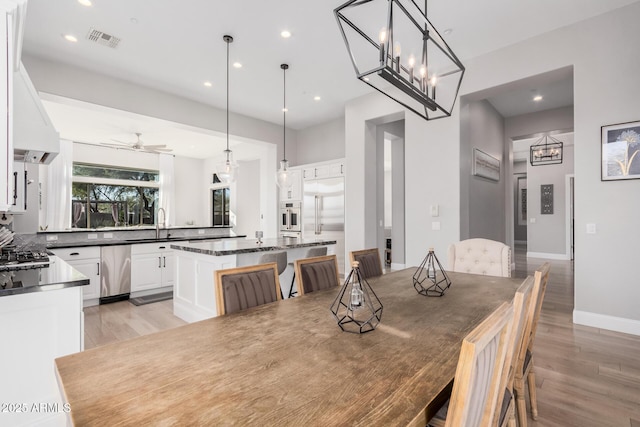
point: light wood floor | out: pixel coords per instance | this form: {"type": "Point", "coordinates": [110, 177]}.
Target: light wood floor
{"type": "Point", "coordinates": [584, 376]}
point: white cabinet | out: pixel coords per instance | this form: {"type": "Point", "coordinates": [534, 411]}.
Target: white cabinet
{"type": "Point", "coordinates": [323, 170]}
{"type": "Point", "coordinates": [295, 191]}
{"type": "Point", "coordinates": [7, 22]}
{"type": "Point", "coordinates": [87, 261]}
{"type": "Point", "coordinates": [152, 266]}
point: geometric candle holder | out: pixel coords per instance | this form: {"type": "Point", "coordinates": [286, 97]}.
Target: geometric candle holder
{"type": "Point", "coordinates": [431, 272]}
{"type": "Point", "coordinates": [357, 308]}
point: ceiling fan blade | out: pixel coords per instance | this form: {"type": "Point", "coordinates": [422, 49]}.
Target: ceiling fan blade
{"type": "Point", "coordinates": [155, 146]}
{"type": "Point", "coordinates": [124, 142]}
{"type": "Point", "coordinates": [108, 144]}
{"type": "Point", "coordinates": [158, 150]}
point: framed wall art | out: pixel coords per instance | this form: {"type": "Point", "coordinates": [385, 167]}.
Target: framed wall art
{"type": "Point", "coordinates": [620, 151]}
{"type": "Point", "coordinates": [485, 165]}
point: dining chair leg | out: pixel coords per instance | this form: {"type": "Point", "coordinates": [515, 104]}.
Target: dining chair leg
{"type": "Point", "coordinates": [291, 291]}
{"type": "Point", "coordinates": [521, 405]}
{"type": "Point", "coordinates": [531, 382]}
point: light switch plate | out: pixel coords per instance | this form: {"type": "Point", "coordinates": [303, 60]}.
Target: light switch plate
{"type": "Point", "coordinates": [435, 225]}
{"type": "Point", "coordinates": [532, 220]}
{"type": "Point", "coordinates": [52, 238]}
{"type": "Point", "coordinates": [435, 210]}
{"type": "Point", "coordinates": [92, 236]}
{"type": "Point", "coordinates": [108, 235]}
{"type": "Point", "coordinates": [200, 231]}
{"type": "Point", "coordinates": [591, 229]}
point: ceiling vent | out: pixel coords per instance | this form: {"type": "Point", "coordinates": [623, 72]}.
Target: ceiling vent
{"type": "Point", "coordinates": [104, 39]}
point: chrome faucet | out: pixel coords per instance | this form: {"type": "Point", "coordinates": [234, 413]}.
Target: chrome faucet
{"type": "Point", "coordinates": [164, 217]}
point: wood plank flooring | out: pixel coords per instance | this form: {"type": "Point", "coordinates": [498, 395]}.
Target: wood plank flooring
{"type": "Point", "coordinates": [584, 376]}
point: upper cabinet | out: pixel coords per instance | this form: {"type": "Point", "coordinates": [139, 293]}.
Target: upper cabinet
{"type": "Point", "coordinates": [323, 170]}
{"type": "Point", "coordinates": [9, 21]}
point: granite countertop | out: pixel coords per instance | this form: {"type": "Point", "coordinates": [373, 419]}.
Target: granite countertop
{"type": "Point", "coordinates": [112, 242]}
{"type": "Point", "coordinates": [58, 275]}
{"type": "Point", "coordinates": [244, 246]}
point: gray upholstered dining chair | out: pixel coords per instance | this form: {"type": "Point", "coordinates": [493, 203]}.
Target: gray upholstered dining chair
{"type": "Point", "coordinates": [480, 256]}
{"type": "Point", "coordinates": [476, 387]}
{"type": "Point", "coordinates": [241, 288]}
{"type": "Point", "coordinates": [317, 273]}
{"type": "Point", "coordinates": [369, 259]}
{"type": "Point", "coordinates": [311, 253]}
{"type": "Point", "coordinates": [279, 258]}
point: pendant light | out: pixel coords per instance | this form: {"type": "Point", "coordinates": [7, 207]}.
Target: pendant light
{"type": "Point", "coordinates": [283, 177]}
{"type": "Point", "coordinates": [228, 169]}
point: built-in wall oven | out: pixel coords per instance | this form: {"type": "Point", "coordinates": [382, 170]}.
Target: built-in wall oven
{"type": "Point", "coordinates": [290, 218]}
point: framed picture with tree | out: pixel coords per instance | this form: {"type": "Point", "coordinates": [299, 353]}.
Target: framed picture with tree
{"type": "Point", "coordinates": [620, 148]}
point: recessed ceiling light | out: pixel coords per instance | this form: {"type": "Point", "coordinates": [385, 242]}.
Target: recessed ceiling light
{"type": "Point", "coordinates": [85, 2]}
{"type": "Point", "coordinates": [316, 98]}
{"type": "Point", "coordinates": [285, 34]}
{"type": "Point", "coordinates": [208, 84]}
{"type": "Point", "coordinates": [448, 31]}
{"type": "Point", "coordinates": [70, 38]}
{"type": "Point", "coordinates": [537, 98]}
{"type": "Point", "coordinates": [237, 65]}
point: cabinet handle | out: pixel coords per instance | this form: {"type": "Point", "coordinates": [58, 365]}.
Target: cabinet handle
{"type": "Point", "coordinates": [315, 172]}
{"type": "Point", "coordinates": [164, 261]}
{"type": "Point", "coordinates": [159, 262]}
{"type": "Point", "coordinates": [26, 182]}
{"type": "Point", "coordinates": [162, 247]}
{"type": "Point", "coordinates": [15, 188]}
{"type": "Point", "coordinates": [341, 171]}
{"type": "Point", "coordinates": [98, 268]}
{"type": "Point", "coordinates": [74, 253]}
{"type": "Point", "coordinates": [304, 174]}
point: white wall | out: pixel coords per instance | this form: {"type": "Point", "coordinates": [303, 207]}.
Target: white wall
{"type": "Point", "coordinates": [246, 203]}
{"type": "Point", "coordinates": [320, 143]}
{"type": "Point", "coordinates": [481, 200]}
{"type": "Point", "coordinates": [191, 198]}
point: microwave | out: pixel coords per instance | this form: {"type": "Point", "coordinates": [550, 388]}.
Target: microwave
{"type": "Point", "coordinates": [290, 217]}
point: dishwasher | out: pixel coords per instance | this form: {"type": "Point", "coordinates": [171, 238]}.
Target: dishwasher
{"type": "Point", "coordinates": [115, 274]}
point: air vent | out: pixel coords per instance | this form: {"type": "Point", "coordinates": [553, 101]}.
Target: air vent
{"type": "Point", "coordinates": [103, 38]}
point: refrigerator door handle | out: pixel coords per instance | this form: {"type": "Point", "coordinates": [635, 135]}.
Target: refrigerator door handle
{"type": "Point", "coordinates": [288, 225]}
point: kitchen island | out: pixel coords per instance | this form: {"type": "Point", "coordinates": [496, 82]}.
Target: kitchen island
{"type": "Point", "coordinates": [42, 319]}
{"type": "Point", "coordinates": [194, 297]}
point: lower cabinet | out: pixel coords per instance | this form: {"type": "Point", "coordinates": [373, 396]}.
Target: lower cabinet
{"type": "Point", "coordinates": [87, 261]}
{"type": "Point", "coordinates": [152, 266]}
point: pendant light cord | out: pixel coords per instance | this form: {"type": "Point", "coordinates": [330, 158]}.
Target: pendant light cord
{"type": "Point", "coordinates": [284, 113]}
{"type": "Point", "coordinates": [228, 41]}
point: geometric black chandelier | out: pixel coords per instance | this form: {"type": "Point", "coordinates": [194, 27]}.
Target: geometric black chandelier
{"type": "Point", "coordinates": [395, 49]}
{"type": "Point", "coordinates": [545, 152]}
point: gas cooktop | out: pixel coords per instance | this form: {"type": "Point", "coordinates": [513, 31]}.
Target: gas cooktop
{"type": "Point", "coordinates": [23, 260]}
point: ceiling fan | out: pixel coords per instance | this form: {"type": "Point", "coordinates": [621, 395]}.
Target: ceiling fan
{"type": "Point", "coordinates": [138, 145]}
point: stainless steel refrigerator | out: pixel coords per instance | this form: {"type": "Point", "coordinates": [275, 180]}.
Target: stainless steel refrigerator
{"type": "Point", "coordinates": [323, 213]}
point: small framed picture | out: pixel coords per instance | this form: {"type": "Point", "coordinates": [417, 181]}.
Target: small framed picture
{"type": "Point", "coordinates": [621, 151]}
{"type": "Point", "coordinates": [485, 165]}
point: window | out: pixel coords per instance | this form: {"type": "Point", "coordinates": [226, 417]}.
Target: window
{"type": "Point", "coordinates": [220, 211]}
{"type": "Point", "coordinates": [113, 197]}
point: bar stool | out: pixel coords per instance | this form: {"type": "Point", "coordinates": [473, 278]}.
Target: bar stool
{"type": "Point", "coordinates": [279, 258]}
{"type": "Point", "coordinates": [311, 252]}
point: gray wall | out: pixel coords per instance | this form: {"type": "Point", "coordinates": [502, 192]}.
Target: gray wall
{"type": "Point", "coordinates": [604, 297]}
{"type": "Point", "coordinates": [481, 199]}
{"type": "Point", "coordinates": [320, 143]}
{"type": "Point", "coordinates": [548, 235]}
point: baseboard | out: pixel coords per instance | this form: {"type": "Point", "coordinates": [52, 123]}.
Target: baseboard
{"type": "Point", "coordinates": [603, 321]}
{"type": "Point", "coordinates": [395, 266]}
{"type": "Point", "coordinates": [547, 256]}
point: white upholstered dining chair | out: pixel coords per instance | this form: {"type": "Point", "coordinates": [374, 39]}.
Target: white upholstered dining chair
{"type": "Point", "coordinates": [480, 256]}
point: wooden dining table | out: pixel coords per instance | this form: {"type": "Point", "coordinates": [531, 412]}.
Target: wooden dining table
{"type": "Point", "coordinates": [288, 363]}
